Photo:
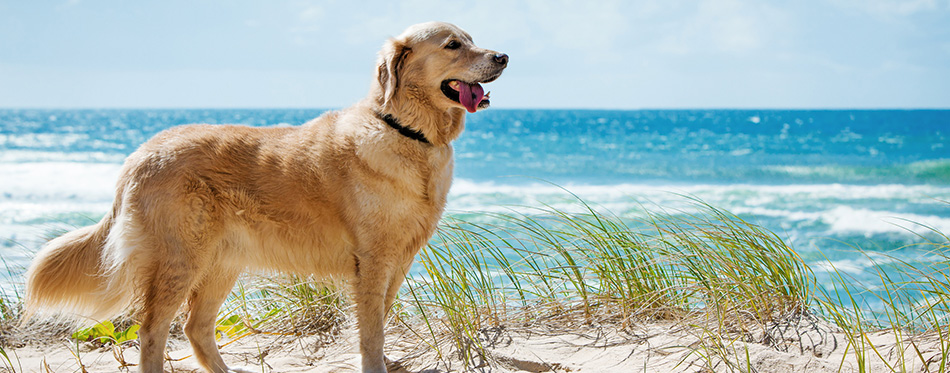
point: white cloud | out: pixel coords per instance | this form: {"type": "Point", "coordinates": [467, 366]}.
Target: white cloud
{"type": "Point", "coordinates": [594, 28]}
{"type": "Point", "coordinates": [731, 26]}
{"type": "Point", "coordinates": [312, 13]}
{"type": "Point", "coordinates": [891, 8]}
{"type": "Point", "coordinates": [495, 21]}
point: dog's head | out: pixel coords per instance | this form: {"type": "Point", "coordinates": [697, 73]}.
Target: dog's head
{"type": "Point", "coordinates": [436, 64]}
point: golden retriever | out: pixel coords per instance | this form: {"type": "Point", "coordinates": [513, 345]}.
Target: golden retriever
{"type": "Point", "coordinates": [353, 193]}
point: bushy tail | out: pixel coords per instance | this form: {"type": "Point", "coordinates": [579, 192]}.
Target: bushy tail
{"type": "Point", "coordinates": [68, 277]}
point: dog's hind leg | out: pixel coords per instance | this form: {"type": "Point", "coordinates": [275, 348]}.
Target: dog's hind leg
{"type": "Point", "coordinates": [395, 281]}
{"type": "Point", "coordinates": [166, 288]}
{"type": "Point", "coordinates": [204, 304]}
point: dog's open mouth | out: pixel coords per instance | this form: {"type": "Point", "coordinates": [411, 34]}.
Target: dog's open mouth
{"type": "Point", "coordinates": [471, 95]}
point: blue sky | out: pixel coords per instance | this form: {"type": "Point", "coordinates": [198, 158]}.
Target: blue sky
{"type": "Point", "coordinates": [564, 54]}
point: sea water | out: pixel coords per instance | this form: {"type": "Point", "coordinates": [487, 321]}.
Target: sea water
{"type": "Point", "coordinates": [827, 182]}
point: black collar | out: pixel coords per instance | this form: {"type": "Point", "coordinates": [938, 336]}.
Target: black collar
{"type": "Point", "coordinates": [403, 130]}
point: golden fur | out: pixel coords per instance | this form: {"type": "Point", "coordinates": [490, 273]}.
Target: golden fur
{"type": "Point", "coordinates": [343, 195]}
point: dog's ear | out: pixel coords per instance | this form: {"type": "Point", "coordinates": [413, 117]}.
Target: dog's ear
{"type": "Point", "coordinates": [389, 67]}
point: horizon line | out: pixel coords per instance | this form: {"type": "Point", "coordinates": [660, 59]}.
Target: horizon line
{"type": "Point", "coordinates": [698, 108]}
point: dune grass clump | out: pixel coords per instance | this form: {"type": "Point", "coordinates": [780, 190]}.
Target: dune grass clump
{"type": "Point", "coordinates": [913, 304]}
{"type": "Point", "coordinates": [590, 266]}
{"type": "Point", "coordinates": [283, 304]}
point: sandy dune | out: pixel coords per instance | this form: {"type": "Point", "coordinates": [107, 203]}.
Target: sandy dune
{"type": "Point", "coordinates": [801, 345]}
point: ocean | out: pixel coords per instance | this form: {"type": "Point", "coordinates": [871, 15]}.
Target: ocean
{"type": "Point", "coordinates": [827, 181]}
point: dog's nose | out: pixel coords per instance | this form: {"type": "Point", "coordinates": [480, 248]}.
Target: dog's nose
{"type": "Point", "coordinates": [501, 59]}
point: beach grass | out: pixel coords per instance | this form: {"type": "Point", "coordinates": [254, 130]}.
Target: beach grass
{"type": "Point", "coordinates": [708, 267]}
{"type": "Point", "coordinates": [285, 304]}
{"type": "Point", "coordinates": [912, 302]}
{"type": "Point", "coordinates": [727, 279]}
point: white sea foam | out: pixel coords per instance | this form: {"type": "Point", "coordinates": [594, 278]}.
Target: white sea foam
{"type": "Point", "coordinates": [836, 207]}
{"type": "Point", "coordinates": [735, 194]}
{"type": "Point", "coordinates": [855, 266]}
{"type": "Point", "coordinates": [788, 215]}
{"type": "Point", "coordinates": [471, 196]}
{"type": "Point", "coordinates": [31, 156]}
{"type": "Point", "coordinates": [51, 181]}
{"type": "Point", "coordinates": [40, 140]}
{"type": "Point", "coordinates": [17, 212]}
{"type": "Point", "coordinates": [845, 219]}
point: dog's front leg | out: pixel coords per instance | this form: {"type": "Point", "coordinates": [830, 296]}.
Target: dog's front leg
{"type": "Point", "coordinates": [372, 280]}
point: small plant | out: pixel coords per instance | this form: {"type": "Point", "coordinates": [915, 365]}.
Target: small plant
{"type": "Point", "coordinates": [230, 326]}
{"type": "Point", "coordinates": [106, 333]}
{"type": "Point", "coordinates": [233, 325]}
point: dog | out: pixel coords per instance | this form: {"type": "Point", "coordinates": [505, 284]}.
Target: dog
{"type": "Point", "coordinates": [354, 193]}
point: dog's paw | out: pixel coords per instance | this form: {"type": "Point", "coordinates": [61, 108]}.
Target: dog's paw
{"type": "Point", "coordinates": [241, 370]}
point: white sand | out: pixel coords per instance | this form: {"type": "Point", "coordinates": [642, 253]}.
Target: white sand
{"type": "Point", "coordinates": [799, 346]}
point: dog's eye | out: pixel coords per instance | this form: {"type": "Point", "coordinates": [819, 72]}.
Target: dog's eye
{"type": "Point", "coordinates": [454, 44]}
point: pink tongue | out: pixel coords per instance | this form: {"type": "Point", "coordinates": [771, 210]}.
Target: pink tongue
{"type": "Point", "coordinates": [470, 95]}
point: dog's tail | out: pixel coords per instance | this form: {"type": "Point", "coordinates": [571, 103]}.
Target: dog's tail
{"type": "Point", "coordinates": [70, 276]}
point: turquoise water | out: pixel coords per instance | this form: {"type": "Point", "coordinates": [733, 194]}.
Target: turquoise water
{"type": "Point", "coordinates": [824, 180]}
